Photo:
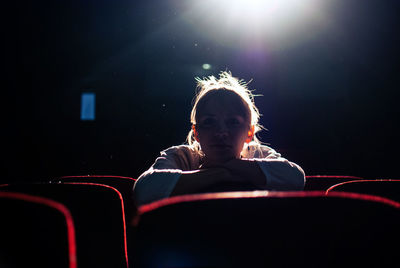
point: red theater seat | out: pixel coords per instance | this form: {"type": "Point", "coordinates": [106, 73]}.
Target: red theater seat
{"type": "Point", "coordinates": [99, 217]}
{"type": "Point", "coordinates": [385, 188]}
{"type": "Point", "coordinates": [123, 184]}
{"type": "Point", "coordinates": [35, 232]}
{"type": "Point", "coordinates": [267, 229]}
{"type": "Point", "coordinates": [323, 182]}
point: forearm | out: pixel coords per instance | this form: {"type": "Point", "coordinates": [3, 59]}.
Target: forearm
{"type": "Point", "coordinates": [248, 171]}
{"type": "Point", "coordinates": [199, 180]}
{"type": "Point", "coordinates": [245, 171]}
{"type": "Point", "coordinates": [282, 175]}
{"type": "Point", "coordinates": [155, 184]}
{"type": "Point", "coordinates": [269, 174]}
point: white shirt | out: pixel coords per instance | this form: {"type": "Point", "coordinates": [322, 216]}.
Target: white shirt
{"type": "Point", "coordinates": [159, 181]}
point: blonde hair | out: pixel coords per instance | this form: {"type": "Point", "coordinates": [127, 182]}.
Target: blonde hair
{"type": "Point", "coordinates": [225, 82]}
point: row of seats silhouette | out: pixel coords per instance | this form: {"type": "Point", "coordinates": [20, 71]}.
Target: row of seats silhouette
{"type": "Point", "coordinates": [98, 213]}
{"type": "Point", "coordinates": [91, 221]}
{"type": "Point", "coordinates": [35, 232]}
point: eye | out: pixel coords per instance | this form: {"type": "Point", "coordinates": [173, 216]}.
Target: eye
{"type": "Point", "coordinates": [234, 121]}
{"type": "Point", "coordinates": [207, 122]}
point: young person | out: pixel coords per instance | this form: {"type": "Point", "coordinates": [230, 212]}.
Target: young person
{"type": "Point", "coordinates": [222, 153]}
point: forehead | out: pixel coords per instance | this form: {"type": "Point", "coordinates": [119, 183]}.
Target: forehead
{"type": "Point", "coordinates": [223, 102]}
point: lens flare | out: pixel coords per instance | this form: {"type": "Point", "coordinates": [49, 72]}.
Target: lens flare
{"type": "Point", "coordinates": [246, 23]}
{"type": "Point", "coordinates": [206, 66]}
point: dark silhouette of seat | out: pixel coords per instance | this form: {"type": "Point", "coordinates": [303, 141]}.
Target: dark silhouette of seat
{"type": "Point", "coordinates": [386, 188]}
{"type": "Point", "coordinates": [35, 232]}
{"type": "Point", "coordinates": [267, 229]}
{"type": "Point", "coordinates": [323, 182]}
{"type": "Point", "coordinates": [123, 184]}
{"type": "Point", "coordinates": [99, 217]}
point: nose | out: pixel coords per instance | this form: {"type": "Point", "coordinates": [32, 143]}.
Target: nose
{"type": "Point", "coordinates": [221, 130]}
{"type": "Point", "coordinates": [221, 135]}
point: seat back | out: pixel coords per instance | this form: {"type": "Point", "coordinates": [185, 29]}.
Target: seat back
{"type": "Point", "coordinates": [99, 217]}
{"type": "Point", "coordinates": [385, 188]}
{"type": "Point", "coordinates": [323, 182]}
{"type": "Point", "coordinates": [36, 232]}
{"type": "Point", "coordinates": [260, 229]}
{"type": "Point", "coordinates": [123, 184]}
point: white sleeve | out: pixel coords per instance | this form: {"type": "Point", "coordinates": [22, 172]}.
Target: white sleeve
{"type": "Point", "coordinates": [155, 184]}
{"type": "Point", "coordinates": [159, 181]}
{"type": "Point", "coordinates": [282, 175]}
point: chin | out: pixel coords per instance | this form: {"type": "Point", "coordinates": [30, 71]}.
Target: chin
{"type": "Point", "coordinates": [224, 159]}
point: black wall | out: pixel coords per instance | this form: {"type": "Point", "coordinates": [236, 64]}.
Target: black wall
{"type": "Point", "coordinates": [329, 102]}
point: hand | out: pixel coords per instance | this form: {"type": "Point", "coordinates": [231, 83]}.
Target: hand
{"type": "Point", "coordinates": [247, 170]}
{"type": "Point", "coordinates": [202, 180]}
{"type": "Point", "coordinates": [208, 164]}
{"type": "Point", "coordinates": [234, 174]}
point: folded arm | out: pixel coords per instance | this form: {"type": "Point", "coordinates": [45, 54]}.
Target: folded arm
{"type": "Point", "coordinates": [266, 173]}
{"type": "Point", "coordinates": [167, 178]}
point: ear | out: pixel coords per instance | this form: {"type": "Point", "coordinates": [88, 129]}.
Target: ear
{"type": "Point", "coordinates": [250, 135]}
{"type": "Point", "coordinates": [195, 134]}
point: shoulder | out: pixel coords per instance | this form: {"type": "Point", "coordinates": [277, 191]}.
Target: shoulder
{"type": "Point", "coordinates": [182, 149]}
{"type": "Point", "coordinates": [184, 157]}
{"type": "Point", "coordinates": [257, 150]}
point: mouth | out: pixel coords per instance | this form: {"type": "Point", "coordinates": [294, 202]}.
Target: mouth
{"type": "Point", "coordinates": [221, 146]}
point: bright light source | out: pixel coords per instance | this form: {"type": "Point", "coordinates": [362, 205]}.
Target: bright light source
{"type": "Point", "coordinates": [255, 22]}
{"type": "Point", "coordinates": [206, 66]}
{"type": "Point", "coordinates": [267, 15]}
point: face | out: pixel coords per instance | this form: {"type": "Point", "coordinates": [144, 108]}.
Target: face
{"type": "Point", "coordinates": [222, 127]}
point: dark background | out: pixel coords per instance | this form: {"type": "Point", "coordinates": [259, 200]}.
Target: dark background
{"type": "Point", "coordinates": [329, 95]}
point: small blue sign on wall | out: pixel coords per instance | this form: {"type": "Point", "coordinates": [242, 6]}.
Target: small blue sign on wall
{"type": "Point", "coordinates": [88, 106]}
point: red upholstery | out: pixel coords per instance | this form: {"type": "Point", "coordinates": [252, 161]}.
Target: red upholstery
{"type": "Point", "coordinates": [99, 217]}
{"type": "Point", "coordinates": [36, 232]}
{"type": "Point", "coordinates": [260, 194]}
{"type": "Point", "coordinates": [123, 184]}
{"type": "Point", "coordinates": [386, 188]}
{"type": "Point", "coordinates": [323, 182]}
{"type": "Point", "coordinates": [260, 229]}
